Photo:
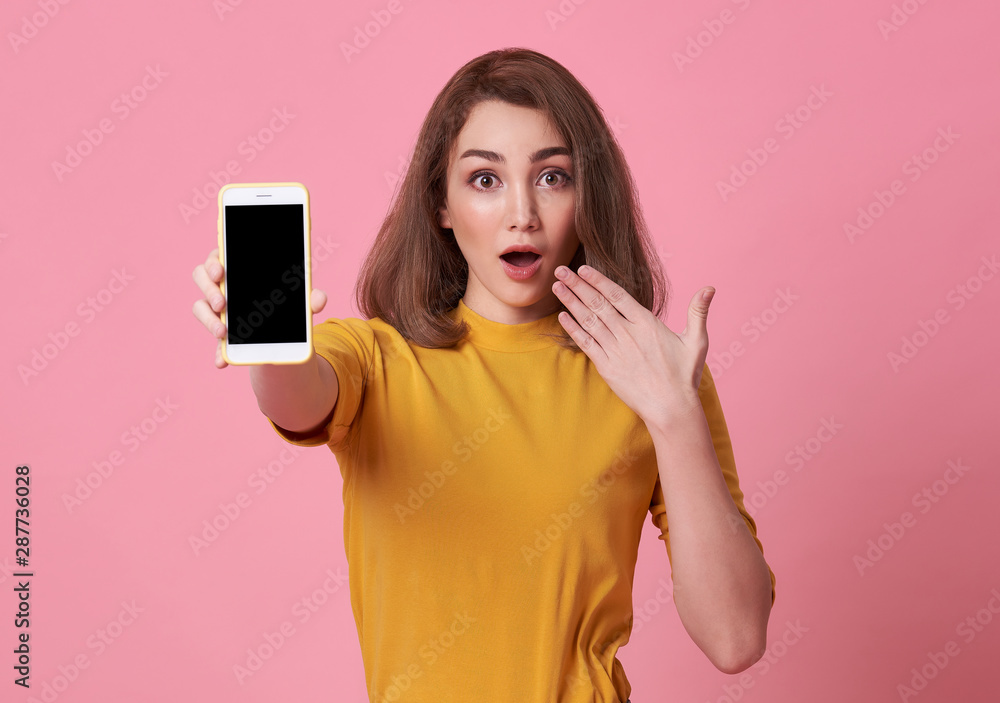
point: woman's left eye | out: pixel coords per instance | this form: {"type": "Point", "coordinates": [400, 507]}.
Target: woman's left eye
{"type": "Point", "coordinates": [556, 175]}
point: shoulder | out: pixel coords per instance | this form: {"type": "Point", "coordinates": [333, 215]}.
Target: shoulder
{"type": "Point", "coordinates": [373, 337]}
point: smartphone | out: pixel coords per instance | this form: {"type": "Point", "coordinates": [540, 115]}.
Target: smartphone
{"type": "Point", "coordinates": [264, 247]}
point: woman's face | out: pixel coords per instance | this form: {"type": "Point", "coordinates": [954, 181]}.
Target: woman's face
{"type": "Point", "coordinates": [510, 183]}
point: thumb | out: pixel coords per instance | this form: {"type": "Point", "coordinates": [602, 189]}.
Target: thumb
{"type": "Point", "coordinates": [317, 300]}
{"type": "Point", "coordinates": [698, 314]}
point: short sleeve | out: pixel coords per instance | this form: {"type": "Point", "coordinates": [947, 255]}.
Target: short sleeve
{"type": "Point", "coordinates": [349, 345]}
{"type": "Point", "coordinates": [724, 451]}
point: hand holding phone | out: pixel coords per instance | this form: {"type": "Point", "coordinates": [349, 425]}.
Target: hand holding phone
{"type": "Point", "coordinates": [264, 251]}
{"type": "Point", "coordinates": [208, 310]}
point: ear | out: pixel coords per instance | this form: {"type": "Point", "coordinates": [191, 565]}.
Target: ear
{"type": "Point", "coordinates": [443, 218]}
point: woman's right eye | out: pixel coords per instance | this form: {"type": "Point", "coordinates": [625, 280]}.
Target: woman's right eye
{"type": "Point", "coordinates": [483, 181]}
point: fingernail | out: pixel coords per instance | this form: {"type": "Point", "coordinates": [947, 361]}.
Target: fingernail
{"type": "Point", "coordinates": [217, 302]}
{"type": "Point", "coordinates": [584, 270]}
{"type": "Point", "coordinates": [561, 272]}
{"type": "Point", "coordinates": [220, 330]}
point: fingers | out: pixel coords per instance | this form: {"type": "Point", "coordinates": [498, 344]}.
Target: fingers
{"type": "Point", "coordinates": [209, 318]}
{"type": "Point", "coordinates": [206, 277]}
{"type": "Point", "coordinates": [220, 363]}
{"type": "Point", "coordinates": [213, 265]}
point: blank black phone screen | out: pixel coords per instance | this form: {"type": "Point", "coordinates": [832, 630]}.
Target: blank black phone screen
{"type": "Point", "coordinates": [265, 274]}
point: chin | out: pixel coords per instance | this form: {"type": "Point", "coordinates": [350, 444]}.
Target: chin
{"type": "Point", "coordinates": [522, 293]}
{"type": "Point", "coordinates": [532, 299]}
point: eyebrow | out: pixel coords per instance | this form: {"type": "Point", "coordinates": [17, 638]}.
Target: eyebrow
{"type": "Point", "coordinates": [539, 155]}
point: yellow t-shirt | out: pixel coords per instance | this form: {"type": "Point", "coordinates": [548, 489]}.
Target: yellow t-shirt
{"type": "Point", "coordinates": [494, 496]}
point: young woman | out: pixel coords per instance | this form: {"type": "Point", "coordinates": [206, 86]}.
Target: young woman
{"type": "Point", "coordinates": [505, 416]}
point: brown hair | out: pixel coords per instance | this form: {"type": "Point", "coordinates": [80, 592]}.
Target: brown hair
{"type": "Point", "coordinates": [415, 272]}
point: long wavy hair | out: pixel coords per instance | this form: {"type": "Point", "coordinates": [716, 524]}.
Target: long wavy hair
{"type": "Point", "coordinates": [415, 273]}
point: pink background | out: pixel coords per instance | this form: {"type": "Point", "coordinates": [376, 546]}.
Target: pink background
{"type": "Point", "coordinates": [351, 125]}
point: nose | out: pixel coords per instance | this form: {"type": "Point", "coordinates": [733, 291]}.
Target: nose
{"type": "Point", "coordinates": [522, 210]}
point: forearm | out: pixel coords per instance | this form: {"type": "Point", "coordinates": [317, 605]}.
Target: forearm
{"type": "Point", "coordinates": [722, 584]}
{"type": "Point", "coordinates": [297, 397]}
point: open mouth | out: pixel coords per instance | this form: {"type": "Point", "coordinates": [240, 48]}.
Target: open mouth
{"type": "Point", "coordinates": [520, 259]}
